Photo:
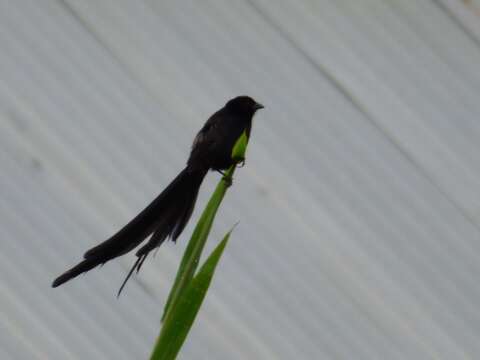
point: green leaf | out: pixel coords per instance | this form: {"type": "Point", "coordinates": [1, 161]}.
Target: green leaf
{"type": "Point", "coordinates": [181, 317]}
{"type": "Point", "coordinates": [238, 151]}
{"type": "Point", "coordinates": [194, 249]}
{"type": "Point", "coordinates": [195, 246]}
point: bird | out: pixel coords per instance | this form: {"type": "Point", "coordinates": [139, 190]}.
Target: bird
{"type": "Point", "coordinates": [168, 214]}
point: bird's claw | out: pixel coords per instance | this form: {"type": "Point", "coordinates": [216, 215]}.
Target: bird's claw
{"type": "Point", "coordinates": [241, 163]}
{"type": "Point", "coordinates": [228, 180]}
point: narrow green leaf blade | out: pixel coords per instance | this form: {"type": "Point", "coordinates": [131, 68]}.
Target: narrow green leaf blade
{"type": "Point", "coordinates": [238, 151]}
{"type": "Point", "coordinates": [180, 319]}
{"type": "Point", "coordinates": [195, 246]}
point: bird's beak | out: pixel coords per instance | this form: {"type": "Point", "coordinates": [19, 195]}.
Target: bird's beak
{"type": "Point", "coordinates": [258, 106]}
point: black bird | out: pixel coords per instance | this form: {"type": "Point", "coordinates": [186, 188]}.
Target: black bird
{"type": "Point", "coordinates": [169, 213]}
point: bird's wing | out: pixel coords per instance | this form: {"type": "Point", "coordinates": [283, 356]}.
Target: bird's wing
{"type": "Point", "coordinates": [204, 142]}
{"type": "Point", "coordinates": [203, 134]}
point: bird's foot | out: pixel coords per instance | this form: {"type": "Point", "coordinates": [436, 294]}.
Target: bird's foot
{"type": "Point", "coordinates": [241, 163]}
{"type": "Point", "coordinates": [227, 179]}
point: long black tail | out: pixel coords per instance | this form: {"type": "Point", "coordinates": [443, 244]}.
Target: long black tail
{"type": "Point", "coordinates": [166, 216]}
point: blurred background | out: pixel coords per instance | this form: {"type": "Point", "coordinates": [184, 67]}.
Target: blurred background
{"type": "Point", "coordinates": [359, 205]}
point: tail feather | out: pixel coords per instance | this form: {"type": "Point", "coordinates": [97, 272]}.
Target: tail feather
{"type": "Point", "coordinates": [82, 267]}
{"type": "Point", "coordinates": [186, 213]}
{"type": "Point", "coordinates": [137, 265]}
{"type": "Point", "coordinates": [166, 216]}
{"type": "Point", "coordinates": [177, 217]}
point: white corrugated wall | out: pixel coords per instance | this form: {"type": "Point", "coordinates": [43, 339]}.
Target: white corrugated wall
{"type": "Point", "coordinates": [359, 206]}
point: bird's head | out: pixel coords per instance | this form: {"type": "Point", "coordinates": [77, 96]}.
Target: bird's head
{"type": "Point", "coordinates": [243, 105]}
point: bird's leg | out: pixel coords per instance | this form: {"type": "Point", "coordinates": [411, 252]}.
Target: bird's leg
{"type": "Point", "coordinates": [228, 181]}
{"type": "Point", "coordinates": [241, 163]}
{"type": "Point", "coordinates": [225, 178]}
